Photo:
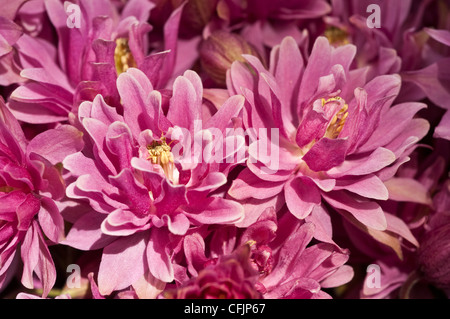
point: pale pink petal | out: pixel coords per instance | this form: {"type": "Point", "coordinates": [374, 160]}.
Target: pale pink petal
{"type": "Point", "coordinates": [367, 212]}
{"type": "Point", "coordinates": [399, 227]}
{"type": "Point", "coordinates": [369, 186]}
{"type": "Point", "coordinates": [301, 196]}
{"type": "Point", "coordinates": [86, 233]}
{"type": "Point", "coordinates": [342, 276]}
{"type": "Point", "coordinates": [379, 159]}
{"type": "Point", "coordinates": [50, 220]}
{"type": "Point", "coordinates": [248, 185]}
{"type": "Point", "coordinates": [55, 144]}
{"type": "Point", "coordinates": [443, 129]}
{"type": "Point", "coordinates": [215, 210]}
{"type": "Point", "coordinates": [407, 190]}
{"type": "Point", "coordinates": [122, 263]}
{"type": "Point", "coordinates": [158, 257]}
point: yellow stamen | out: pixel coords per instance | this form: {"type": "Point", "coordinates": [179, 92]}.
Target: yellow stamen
{"type": "Point", "coordinates": [337, 123]}
{"type": "Point", "coordinates": [251, 242]}
{"type": "Point", "coordinates": [160, 153]}
{"type": "Point", "coordinates": [6, 189]}
{"type": "Point", "coordinates": [336, 36]}
{"type": "Point", "coordinates": [122, 56]}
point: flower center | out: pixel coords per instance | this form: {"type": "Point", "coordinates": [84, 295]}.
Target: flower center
{"type": "Point", "coordinates": [159, 153]}
{"type": "Point", "coordinates": [122, 56]}
{"type": "Point", "coordinates": [338, 121]}
{"type": "Point", "coordinates": [336, 36]}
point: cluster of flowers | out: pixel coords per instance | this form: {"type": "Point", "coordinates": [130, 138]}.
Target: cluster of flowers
{"type": "Point", "coordinates": [224, 149]}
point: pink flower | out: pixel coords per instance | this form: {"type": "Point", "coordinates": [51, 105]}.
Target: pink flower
{"type": "Point", "coordinates": [143, 195]}
{"type": "Point", "coordinates": [404, 44]}
{"type": "Point", "coordinates": [89, 57]}
{"type": "Point", "coordinates": [30, 185]}
{"type": "Point", "coordinates": [281, 253]}
{"type": "Point", "coordinates": [290, 265]}
{"type": "Point", "coordinates": [339, 137]}
{"type": "Point", "coordinates": [232, 277]}
{"type": "Point", "coordinates": [412, 269]}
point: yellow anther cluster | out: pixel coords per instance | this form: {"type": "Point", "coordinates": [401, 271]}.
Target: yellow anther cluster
{"type": "Point", "coordinates": [336, 36]}
{"type": "Point", "coordinates": [122, 56]}
{"type": "Point", "coordinates": [337, 123]}
{"type": "Point", "coordinates": [160, 153]}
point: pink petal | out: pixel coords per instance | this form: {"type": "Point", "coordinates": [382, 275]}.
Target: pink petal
{"type": "Point", "coordinates": [432, 80]}
{"type": "Point", "coordinates": [37, 259]}
{"type": "Point", "coordinates": [178, 224]}
{"type": "Point", "coordinates": [369, 186]}
{"type": "Point", "coordinates": [184, 107]}
{"type": "Point", "coordinates": [26, 211]}
{"type": "Point", "coordinates": [253, 208]}
{"type": "Point", "coordinates": [377, 160]}
{"type": "Point", "coordinates": [393, 122]}
{"type": "Point", "coordinates": [134, 194]}
{"type": "Point", "coordinates": [399, 227]}
{"type": "Point", "coordinates": [286, 71]}
{"type": "Point", "coordinates": [30, 255]}
{"type": "Point", "coordinates": [342, 276]}
{"type": "Point", "coordinates": [222, 118]}
{"type": "Point", "coordinates": [51, 221]}
{"type": "Point", "coordinates": [194, 247]}
{"type": "Point", "coordinates": [326, 154]}
{"type": "Point", "coordinates": [55, 144]}
{"type": "Point", "coordinates": [367, 212]}
{"type": "Point", "coordinates": [139, 110]}
{"type": "Point", "coordinates": [158, 258]}
{"type": "Point", "coordinates": [171, 41]}
{"type": "Point", "coordinates": [301, 196]}
{"type": "Point", "coordinates": [86, 234]}
{"type": "Point", "coordinates": [215, 210]}
{"type": "Point", "coordinates": [120, 143]}
{"type": "Point", "coordinates": [443, 129]}
{"type": "Point", "coordinates": [292, 249]}
{"type": "Point", "coordinates": [322, 222]}
{"type": "Point", "coordinates": [171, 197]}
{"type": "Point", "coordinates": [407, 190]}
{"type": "Point", "coordinates": [122, 263]}
{"type": "Point", "coordinates": [97, 131]}
{"type": "Point", "coordinates": [442, 36]}
{"type": "Point", "coordinates": [148, 287]}
{"type": "Point", "coordinates": [38, 112]}
{"type": "Point", "coordinates": [248, 185]}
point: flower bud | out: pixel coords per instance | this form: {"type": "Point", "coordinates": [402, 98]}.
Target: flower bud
{"type": "Point", "coordinates": [196, 14]}
{"type": "Point", "coordinates": [220, 50]}
{"type": "Point", "coordinates": [434, 256]}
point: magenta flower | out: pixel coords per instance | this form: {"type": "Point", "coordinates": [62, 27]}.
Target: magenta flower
{"type": "Point", "coordinates": [231, 277]}
{"type": "Point", "coordinates": [407, 276]}
{"type": "Point", "coordinates": [265, 23]}
{"type": "Point", "coordinates": [90, 56]}
{"type": "Point", "coordinates": [301, 271]}
{"type": "Point", "coordinates": [30, 185]}
{"type": "Point", "coordinates": [281, 253]}
{"type": "Point", "coordinates": [403, 44]}
{"type": "Point", "coordinates": [339, 138]}
{"type": "Point", "coordinates": [141, 192]}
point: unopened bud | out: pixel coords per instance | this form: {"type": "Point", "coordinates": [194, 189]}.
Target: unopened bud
{"type": "Point", "coordinates": [196, 14]}
{"type": "Point", "coordinates": [220, 50]}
